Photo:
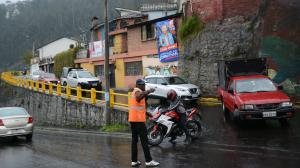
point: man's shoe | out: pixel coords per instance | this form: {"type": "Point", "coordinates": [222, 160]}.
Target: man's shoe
{"type": "Point", "coordinates": [152, 164]}
{"type": "Point", "coordinates": [135, 164]}
{"type": "Point", "coordinates": [172, 140]}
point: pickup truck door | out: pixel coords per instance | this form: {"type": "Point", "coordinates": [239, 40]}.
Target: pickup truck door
{"type": "Point", "coordinates": [71, 79]}
{"type": "Point", "coordinates": [229, 99]}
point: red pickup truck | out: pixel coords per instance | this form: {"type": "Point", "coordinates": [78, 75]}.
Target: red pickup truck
{"type": "Point", "coordinates": [247, 93]}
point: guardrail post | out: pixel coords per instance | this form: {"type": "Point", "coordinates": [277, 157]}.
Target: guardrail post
{"type": "Point", "coordinates": [112, 98]}
{"type": "Point", "coordinates": [28, 83]}
{"type": "Point", "coordinates": [19, 83]}
{"type": "Point", "coordinates": [31, 84]}
{"type": "Point", "coordinates": [93, 96]}
{"type": "Point", "coordinates": [68, 92]}
{"type": "Point", "coordinates": [58, 90]}
{"type": "Point", "coordinates": [43, 87]}
{"type": "Point", "coordinates": [129, 96]}
{"type": "Point", "coordinates": [37, 85]}
{"type": "Point", "coordinates": [23, 83]}
{"type": "Point", "coordinates": [79, 93]}
{"type": "Point", "coordinates": [50, 88]}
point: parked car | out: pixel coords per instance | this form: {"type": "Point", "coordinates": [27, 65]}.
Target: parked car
{"type": "Point", "coordinates": [49, 78]}
{"type": "Point", "coordinates": [15, 121]}
{"type": "Point", "coordinates": [247, 93]}
{"type": "Point", "coordinates": [83, 79]}
{"type": "Point", "coordinates": [64, 74]}
{"type": "Point", "coordinates": [162, 84]}
{"type": "Point", "coordinates": [35, 75]}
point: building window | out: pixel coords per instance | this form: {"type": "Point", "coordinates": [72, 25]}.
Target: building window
{"type": "Point", "coordinates": [111, 41]}
{"type": "Point", "coordinates": [99, 70]}
{"type": "Point", "coordinates": [133, 68]}
{"type": "Point", "coordinates": [148, 31]}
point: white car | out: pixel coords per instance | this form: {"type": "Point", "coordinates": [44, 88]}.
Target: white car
{"type": "Point", "coordinates": [35, 75]}
{"type": "Point", "coordinates": [83, 79]}
{"type": "Point", "coordinates": [15, 121]}
{"type": "Point", "coordinates": [162, 84]}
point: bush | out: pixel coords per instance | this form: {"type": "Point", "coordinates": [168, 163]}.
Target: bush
{"type": "Point", "coordinates": [190, 28]}
{"type": "Point", "coordinates": [64, 59]}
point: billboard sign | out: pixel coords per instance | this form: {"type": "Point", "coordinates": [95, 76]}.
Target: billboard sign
{"type": "Point", "coordinates": [167, 41]}
{"type": "Point", "coordinates": [96, 49]}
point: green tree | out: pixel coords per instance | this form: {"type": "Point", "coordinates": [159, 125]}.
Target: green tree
{"type": "Point", "coordinates": [64, 59]}
{"type": "Point", "coordinates": [27, 57]}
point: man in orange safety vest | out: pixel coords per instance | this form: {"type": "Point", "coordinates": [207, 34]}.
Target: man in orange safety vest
{"type": "Point", "coordinates": [137, 119]}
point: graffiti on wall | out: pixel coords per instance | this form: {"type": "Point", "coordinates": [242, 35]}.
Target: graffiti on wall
{"type": "Point", "coordinates": [161, 70]}
{"type": "Point", "coordinates": [281, 43]}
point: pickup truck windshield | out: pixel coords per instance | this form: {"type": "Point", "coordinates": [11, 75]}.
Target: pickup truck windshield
{"type": "Point", "coordinates": [175, 80]}
{"type": "Point", "coordinates": [255, 85]}
{"type": "Point", "coordinates": [84, 74]}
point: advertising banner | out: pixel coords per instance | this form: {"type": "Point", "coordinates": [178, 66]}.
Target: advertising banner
{"type": "Point", "coordinates": [96, 49]}
{"type": "Point", "coordinates": [167, 41]}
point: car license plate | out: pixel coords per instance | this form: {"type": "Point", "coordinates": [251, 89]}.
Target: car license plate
{"type": "Point", "coordinates": [17, 131]}
{"type": "Point", "coordinates": [194, 95]}
{"type": "Point", "coordinates": [269, 114]}
{"type": "Point", "coordinates": [94, 84]}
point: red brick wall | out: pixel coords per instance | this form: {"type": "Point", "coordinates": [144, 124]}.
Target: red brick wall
{"type": "Point", "coordinates": [213, 10]}
{"type": "Point", "coordinates": [245, 8]}
{"type": "Point", "coordinates": [135, 44]}
{"type": "Point", "coordinates": [207, 10]}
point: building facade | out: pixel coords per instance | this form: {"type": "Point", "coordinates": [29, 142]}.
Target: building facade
{"type": "Point", "coordinates": [133, 49]}
{"type": "Point", "coordinates": [47, 52]}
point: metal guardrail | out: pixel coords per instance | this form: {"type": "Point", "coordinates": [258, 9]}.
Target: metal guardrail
{"type": "Point", "coordinates": [92, 96]}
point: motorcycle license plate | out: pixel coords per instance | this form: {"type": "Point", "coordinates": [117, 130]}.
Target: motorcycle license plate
{"type": "Point", "coordinates": [269, 114]}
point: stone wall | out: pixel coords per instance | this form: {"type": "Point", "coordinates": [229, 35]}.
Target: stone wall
{"type": "Point", "coordinates": [231, 38]}
{"type": "Point", "coordinates": [51, 110]}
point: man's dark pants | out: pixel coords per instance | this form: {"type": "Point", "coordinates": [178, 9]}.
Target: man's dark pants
{"type": "Point", "coordinates": [139, 130]}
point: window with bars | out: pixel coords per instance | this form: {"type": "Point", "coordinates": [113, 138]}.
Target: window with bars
{"type": "Point", "coordinates": [99, 70]}
{"type": "Point", "coordinates": [147, 31]}
{"type": "Point", "coordinates": [133, 68]}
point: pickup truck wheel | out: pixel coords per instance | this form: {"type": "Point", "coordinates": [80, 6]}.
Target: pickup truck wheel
{"type": "Point", "coordinates": [226, 113]}
{"type": "Point", "coordinates": [235, 118]}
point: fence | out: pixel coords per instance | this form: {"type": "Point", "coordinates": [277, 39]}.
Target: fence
{"type": "Point", "coordinates": [93, 96]}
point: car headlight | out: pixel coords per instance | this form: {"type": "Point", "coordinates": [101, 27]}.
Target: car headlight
{"type": "Point", "coordinates": [286, 104]}
{"type": "Point", "coordinates": [247, 107]}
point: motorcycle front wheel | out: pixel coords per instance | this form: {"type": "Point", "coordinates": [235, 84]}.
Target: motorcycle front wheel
{"type": "Point", "coordinates": [154, 137]}
{"type": "Point", "coordinates": [194, 128]}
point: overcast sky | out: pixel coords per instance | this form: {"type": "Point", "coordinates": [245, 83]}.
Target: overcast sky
{"type": "Point", "coordinates": [3, 1]}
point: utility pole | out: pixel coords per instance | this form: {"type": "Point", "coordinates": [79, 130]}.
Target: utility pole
{"type": "Point", "coordinates": [106, 68]}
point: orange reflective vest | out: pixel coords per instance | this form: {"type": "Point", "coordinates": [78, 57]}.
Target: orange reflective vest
{"type": "Point", "coordinates": [137, 110]}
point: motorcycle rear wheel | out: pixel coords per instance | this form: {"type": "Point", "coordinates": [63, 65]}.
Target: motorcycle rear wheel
{"type": "Point", "coordinates": [155, 138]}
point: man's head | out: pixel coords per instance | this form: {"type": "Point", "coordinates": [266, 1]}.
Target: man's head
{"type": "Point", "coordinates": [164, 29]}
{"type": "Point", "coordinates": [140, 84]}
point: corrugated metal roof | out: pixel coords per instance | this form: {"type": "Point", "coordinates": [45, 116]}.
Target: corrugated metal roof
{"type": "Point", "coordinates": [158, 7]}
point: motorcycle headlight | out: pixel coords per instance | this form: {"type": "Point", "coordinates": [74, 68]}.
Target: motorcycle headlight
{"type": "Point", "coordinates": [286, 104]}
{"type": "Point", "coordinates": [247, 107]}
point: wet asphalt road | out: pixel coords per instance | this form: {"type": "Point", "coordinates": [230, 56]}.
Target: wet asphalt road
{"type": "Point", "coordinates": [222, 145]}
